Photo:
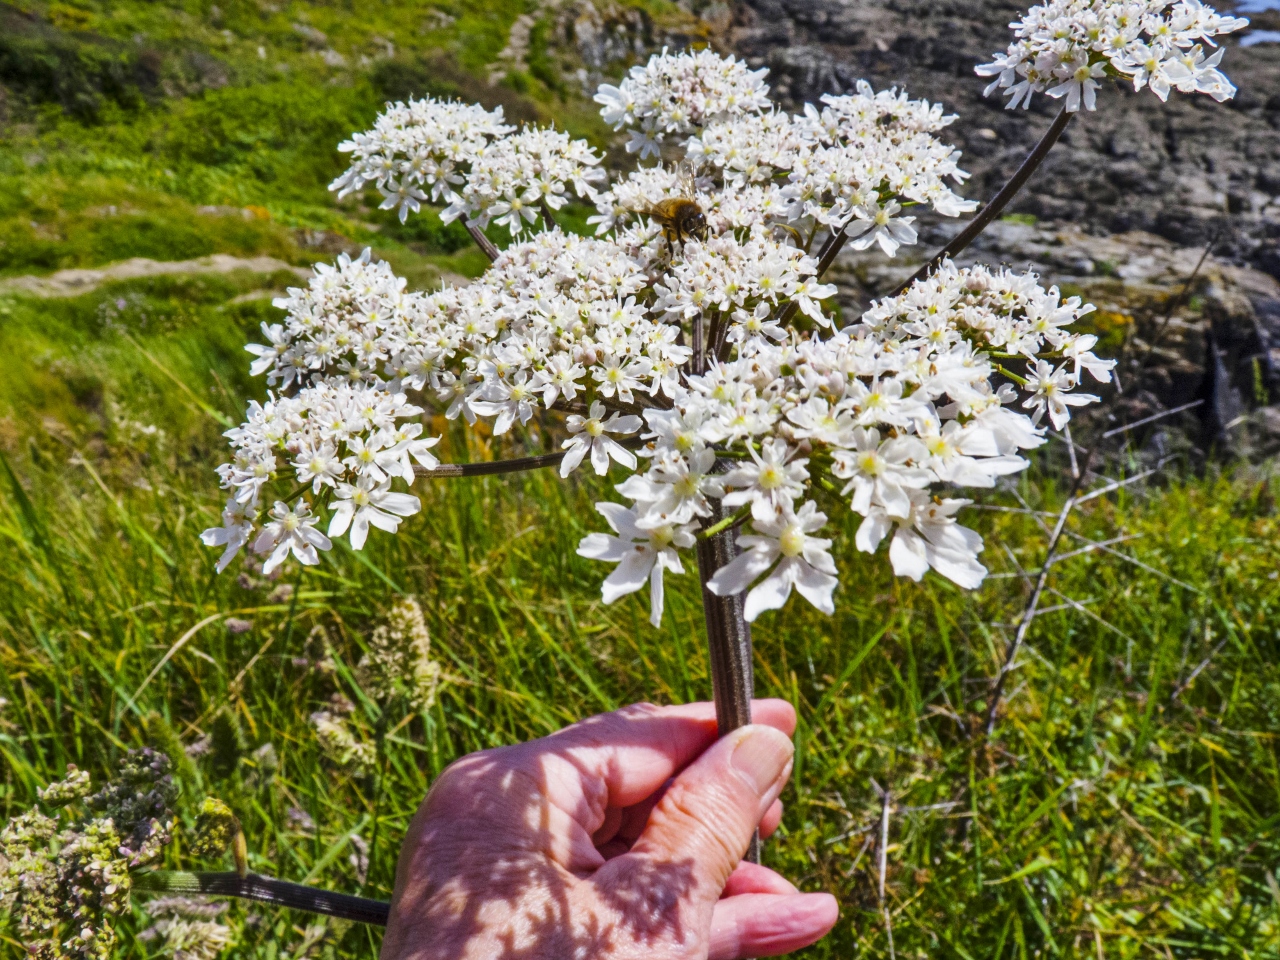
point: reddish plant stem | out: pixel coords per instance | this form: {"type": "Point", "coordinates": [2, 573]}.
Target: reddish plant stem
{"type": "Point", "coordinates": [1001, 200]}
{"type": "Point", "coordinates": [483, 242]}
{"type": "Point", "coordinates": [728, 639]}
{"type": "Point", "coordinates": [254, 886]}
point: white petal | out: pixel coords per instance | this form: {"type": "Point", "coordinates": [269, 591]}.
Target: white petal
{"type": "Point", "coordinates": [342, 515]}
{"type": "Point", "coordinates": [619, 452]}
{"type": "Point", "coordinates": [228, 555]}
{"type": "Point", "coordinates": [871, 531]}
{"type": "Point", "coordinates": [816, 587]}
{"type": "Point", "coordinates": [601, 546]}
{"type": "Point", "coordinates": [277, 557]}
{"type": "Point", "coordinates": [621, 519]}
{"type": "Point", "coordinates": [630, 574]}
{"type": "Point", "coordinates": [577, 449]}
{"type": "Point", "coordinates": [772, 592]}
{"type": "Point", "coordinates": [383, 521]}
{"type": "Point", "coordinates": [359, 529]}
{"type": "Point", "coordinates": [907, 554]}
{"type": "Point", "coordinates": [960, 568]}
{"type": "Point", "coordinates": [737, 574]}
{"type": "Point", "coordinates": [599, 458]}
{"type": "Point", "coordinates": [314, 537]}
{"type": "Point", "coordinates": [401, 504]}
{"type": "Point", "coordinates": [656, 595]}
{"type": "Point", "coordinates": [306, 554]}
{"type": "Point", "coordinates": [628, 424]}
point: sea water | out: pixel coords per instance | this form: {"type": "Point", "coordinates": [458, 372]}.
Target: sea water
{"type": "Point", "coordinates": [1254, 37]}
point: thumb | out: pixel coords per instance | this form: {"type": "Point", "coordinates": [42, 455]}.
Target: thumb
{"type": "Point", "coordinates": [708, 814]}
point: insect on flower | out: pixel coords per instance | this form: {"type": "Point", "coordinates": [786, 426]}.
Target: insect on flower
{"type": "Point", "coordinates": [681, 217]}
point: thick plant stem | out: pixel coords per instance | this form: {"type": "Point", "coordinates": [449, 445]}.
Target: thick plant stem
{"type": "Point", "coordinates": [728, 640]}
{"type": "Point", "coordinates": [266, 890]}
{"type": "Point", "coordinates": [998, 202]}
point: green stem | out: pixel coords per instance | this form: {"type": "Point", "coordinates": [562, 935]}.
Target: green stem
{"type": "Point", "coordinates": [709, 532]}
{"type": "Point", "coordinates": [1021, 381]}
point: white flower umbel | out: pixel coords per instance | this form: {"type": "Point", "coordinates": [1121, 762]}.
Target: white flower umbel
{"type": "Point", "coordinates": [740, 405]}
{"type": "Point", "coordinates": [421, 144]}
{"type": "Point", "coordinates": [1066, 47]}
{"type": "Point", "coordinates": [677, 93]}
{"type": "Point", "coordinates": [513, 178]}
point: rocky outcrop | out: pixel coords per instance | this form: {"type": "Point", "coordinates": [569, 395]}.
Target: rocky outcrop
{"type": "Point", "coordinates": [1122, 212]}
{"type": "Point", "coordinates": [1185, 170]}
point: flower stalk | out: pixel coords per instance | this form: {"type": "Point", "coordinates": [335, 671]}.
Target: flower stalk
{"type": "Point", "coordinates": [996, 207]}
{"type": "Point", "coordinates": [483, 242]}
{"type": "Point", "coordinates": [254, 886]}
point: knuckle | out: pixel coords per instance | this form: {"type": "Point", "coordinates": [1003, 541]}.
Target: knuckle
{"type": "Point", "coordinates": [638, 711]}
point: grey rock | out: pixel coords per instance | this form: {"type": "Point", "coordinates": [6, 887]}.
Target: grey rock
{"type": "Point", "coordinates": [1187, 171]}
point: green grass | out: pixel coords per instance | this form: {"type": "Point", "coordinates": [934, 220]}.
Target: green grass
{"type": "Point", "coordinates": [1101, 804]}
{"type": "Point", "coordinates": [1108, 818]}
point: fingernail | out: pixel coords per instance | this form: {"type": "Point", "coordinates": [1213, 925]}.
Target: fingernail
{"type": "Point", "coordinates": [761, 756]}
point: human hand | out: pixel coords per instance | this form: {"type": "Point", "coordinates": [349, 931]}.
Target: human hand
{"type": "Point", "coordinates": [617, 838]}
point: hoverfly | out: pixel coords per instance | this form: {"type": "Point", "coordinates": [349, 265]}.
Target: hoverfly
{"type": "Point", "coordinates": [680, 217]}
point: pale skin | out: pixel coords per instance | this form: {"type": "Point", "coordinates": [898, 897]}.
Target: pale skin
{"type": "Point", "coordinates": [618, 838]}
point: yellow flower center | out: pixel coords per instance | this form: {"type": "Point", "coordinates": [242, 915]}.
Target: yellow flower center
{"type": "Point", "coordinates": [792, 541]}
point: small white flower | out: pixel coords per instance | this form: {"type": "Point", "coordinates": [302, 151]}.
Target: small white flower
{"type": "Point", "coordinates": [364, 504]}
{"type": "Point", "coordinates": [1079, 350]}
{"type": "Point", "coordinates": [929, 537]}
{"type": "Point", "coordinates": [291, 530]}
{"type": "Point", "coordinates": [320, 467]}
{"type": "Point", "coordinates": [675, 490]}
{"type": "Point", "coordinates": [1081, 85]}
{"type": "Point", "coordinates": [405, 197]}
{"type": "Point", "coordinates": [803, 562]}
{"type": "Point", "coordinates": [507, 401]}
{"type": "Point", "coordinates": [268, 356]}
{"type": "Point", "coordinates": [882, 225]}
{"type": "Point", "coordinates": [881, 472]}
{"type": "Point", "coordinates": [1051, 388]}
{"type": "Point", "coordinates": [641, 554]}
{"type": "Point", "coordinates": [589, 434]}
{"type": "Point", "coordinates": [768, 482]}
{"type": "Point", "coordinates": [514, 211]}
{"type": "Point", "coordinates": [619, 377]}
{"type": "Point", "coordinates": [237, 525]}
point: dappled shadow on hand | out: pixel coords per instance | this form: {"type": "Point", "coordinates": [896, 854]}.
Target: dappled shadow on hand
{"type": "Point", "coordinates": [500, 862]}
